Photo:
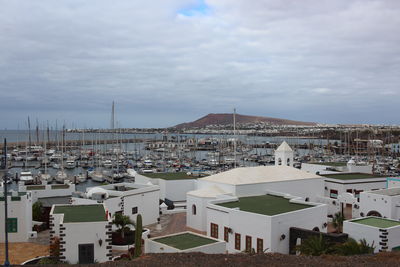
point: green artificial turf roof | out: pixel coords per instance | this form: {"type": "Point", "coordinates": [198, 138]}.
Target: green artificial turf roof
{"type": "Point", "coordinates": [377, 222]}
{"type": "Point", "coordinates": [185, 241]}
{"type": "Point", "coordinates": [265, 204]}
{"type": "Point", "coordinates": [351, 176]}
{"type": "Point", "coordinates": [169, 175]}
{"type": "Point", "coordinates": [82, 213]}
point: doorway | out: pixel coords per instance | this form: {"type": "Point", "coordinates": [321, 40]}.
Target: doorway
{"type": "Point", "coordinates": [86, 253]}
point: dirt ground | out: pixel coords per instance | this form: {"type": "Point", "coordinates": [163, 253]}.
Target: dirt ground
{"type": "Point", "coordinates": [20, 252]}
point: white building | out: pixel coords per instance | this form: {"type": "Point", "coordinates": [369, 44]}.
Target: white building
{"type": "Point", "coordinates": [19, 216]}
{"type": "Point", "coordinates": [173, 186]}
{"type": "Point", "coordinates": [46, 191]}
{"type": "Point", "coordinates": [345, 189]}
{"type": "Point", "coordinates": [130, 199]}
{"type": "Point", "coordinates": [284, 155]}
{"type": "Point", "coordinates": [249, 181]}
{"type": "Point", "coordinates": [262, 222]}
{"type": "Point", "coordinates": [383, 234]}
{"type": "Point", "coordinates": [185, 242]}
{"type": "Point", "coordinates": [382, 203]}
{"type": "Point", "coordinates": [336, 167]}
{"type": "Point", "coordinates": [84, 232]}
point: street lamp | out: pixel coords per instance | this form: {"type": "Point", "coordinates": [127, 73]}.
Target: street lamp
{"type": "Point", "coordinates": [5, 180]}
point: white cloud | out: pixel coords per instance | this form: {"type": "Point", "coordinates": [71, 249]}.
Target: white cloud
{"type": "Point", "coordinates": [78, 55]}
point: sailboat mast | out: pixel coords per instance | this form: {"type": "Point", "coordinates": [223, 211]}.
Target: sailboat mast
{"type": "Point", "coordinates": [234, 135]}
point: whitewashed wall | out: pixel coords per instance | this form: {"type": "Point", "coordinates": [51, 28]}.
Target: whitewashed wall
{"type": "Point", "coordinates": [147, 202]}
{"type": "Point", "coordinates": [175, 190]}
{"type": "Point", "coordinates": [48, 192]}
{"type": "Point", "coordinates": [387, 206]}
{"type": "Point", "coordinates": [85, 233]}
{"type": "Point", "coordinates": [22, 210]}
{"type": "Point", "coordinates": [268, 228]}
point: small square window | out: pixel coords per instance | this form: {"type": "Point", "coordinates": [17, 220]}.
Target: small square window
{"type": "Point", "coordinates": [134, 210]}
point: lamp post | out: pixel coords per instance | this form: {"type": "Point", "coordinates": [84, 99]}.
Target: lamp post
{"type": "Point", "coordinates": [5, 178]}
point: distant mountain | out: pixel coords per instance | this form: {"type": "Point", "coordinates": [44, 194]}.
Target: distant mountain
{"type": "Point", "coordinates": [227, 118]}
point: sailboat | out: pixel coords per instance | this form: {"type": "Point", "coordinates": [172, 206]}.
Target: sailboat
{"type": "Point", "coordinates": [45, 177]}
{"type": "Point", "coordinates": [61, 175]}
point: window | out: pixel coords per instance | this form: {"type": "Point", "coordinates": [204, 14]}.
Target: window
{"type": "Point", "coordinates": [248, 243]}
{"type": "Point", "coordinates": [214, 230]}
{"type": "Point", "coordinates": [194, 209]}
{"type": "Point", "coordinates": [12, 225]}
{"type": "Point", "coordinates": [333, 194]}
{"type": "Point", "coordinates": [134, 210]}
{"type": "Point", "coordinates": [349, 191]}
{"type": "Point", "coordinates": [237, 241]}
{"type": "Point", "coordinates": [226, 234]}
{"type": "Point", "coordinates": [279, 161]}
{"type": "Point", "coordinates": [260, 245]}
{"type": "Point", "coordinates": [288, 162]}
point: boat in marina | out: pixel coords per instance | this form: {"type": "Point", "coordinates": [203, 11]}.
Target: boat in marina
{"type": "Point", "coordinates": [26, 177]}
{"type": "Point", "coordinates": [81, 178]}
{"type": "Point", "coordinates": [70, 163]}
{"type": "Point", "coordinates": [45, 178]}
{"type": "Point", "coordinates": [61, 176]}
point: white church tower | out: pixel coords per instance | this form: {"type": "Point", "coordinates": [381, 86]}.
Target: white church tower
{"type": "Point", "coordinates": [284, 155]}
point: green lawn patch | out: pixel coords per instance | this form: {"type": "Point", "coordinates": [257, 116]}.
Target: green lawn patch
{"type": "Point", "coordinates": [377, 222]}
{"type": "Point", "coordinates": [351, 176]}
{"type": "Point", "coordinates": [169, 175]}
{"type": "Point", "coordinates": [265, 204]}
{"type": "Point", "coordinates": [60, 186]}
{"type": "Point", "coordinates": [185, 241]}
{"type": "Point", "coordinates": [82, 213]}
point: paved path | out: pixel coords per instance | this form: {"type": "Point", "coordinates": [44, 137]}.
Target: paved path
{"type": "Point", "coordinates": [170, 224]}
{"type": "Point", "coordinates": [20, 252]}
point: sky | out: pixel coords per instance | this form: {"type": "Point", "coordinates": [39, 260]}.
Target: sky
{"type": "Point", "coordinates": [165, 62]}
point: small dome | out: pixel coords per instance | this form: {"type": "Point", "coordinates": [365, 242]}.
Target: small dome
{"type": "Point", "coordinates": [96, 190]}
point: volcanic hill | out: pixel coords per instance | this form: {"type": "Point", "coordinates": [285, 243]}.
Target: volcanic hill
{"type": "Point", "coordinates": [227, 118]}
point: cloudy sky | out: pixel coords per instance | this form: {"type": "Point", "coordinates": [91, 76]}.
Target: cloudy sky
{"type": "Point", "coordinates": [169, 61]}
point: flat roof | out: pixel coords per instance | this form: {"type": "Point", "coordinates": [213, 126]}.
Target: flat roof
{"type": "Point", "coordinates": [331, 164]}
{"type": "Point", "coordinates": [387, 192]}
{"type": "Point", "coordinates": [169, 175]}
{"type": "Point", "coordinates": [351, 176]}
{"type": "Point", "coordinates": [82, 213]}
{"type": "Point", "coordinates": [185, 241]}
{"type": "Point", "coordinates": [35, 187]}
{"type": "Point", "coordinates": [377, 222]}
{"type": "Point", "coordinates": [265, 204]}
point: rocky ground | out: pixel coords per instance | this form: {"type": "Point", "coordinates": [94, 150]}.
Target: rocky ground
{"type": "Point", "coordinates": [198, 259]}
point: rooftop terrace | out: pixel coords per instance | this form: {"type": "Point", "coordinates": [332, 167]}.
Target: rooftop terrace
{"type": "Point", "coordinates": [377, 222]}
{"type": "Point", "coordinates": [82, 213]}
{"type": "Point", "coordinates": [265, 204]}
{"type": "Point", "coordinates": [351, 176]}
{"type": "Point", "coordinates": [169, 175]}
{"type": "Point", "coordinates": [185, 241]}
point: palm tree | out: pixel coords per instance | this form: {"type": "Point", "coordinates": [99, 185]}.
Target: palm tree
{"type": "Point", "coordinates": [315, 246]}
{"type": "Point", "coordinates": [337, 221]}
{"type": "Point", "coordinates": [122, 222]}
